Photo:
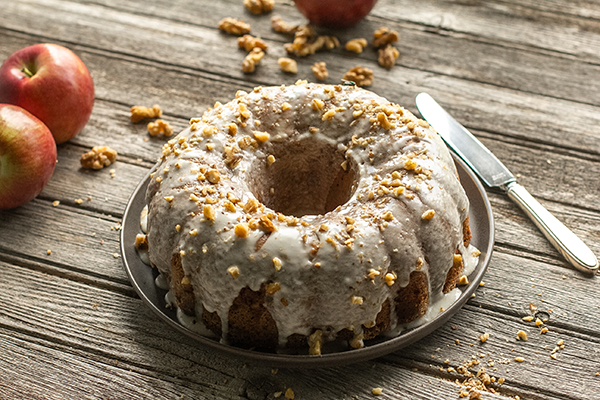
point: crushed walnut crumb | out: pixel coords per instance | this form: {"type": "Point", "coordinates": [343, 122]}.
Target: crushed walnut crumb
{"type": "Point", "coordinates": [259, 6]}
{"type": "Point", "coordinates": [387, 56]}
{"type": "Point", "coordinates": [289, 394]}
{"type": "Point", "coordinates": [319, 70]}
{"type": "Point", "coordinates": [377, 391]}
{"type": "Point", "coordinates": [234, 26]}
{"type": "Point", "coordinates": [483, 338]}
{"type": "Point", "coordinates": [384, 36]}
{"type": "Point", "coordinates": [248, 42]}
{"type": "Point", "coordinates": [288, 65]}
{"type": "Point", "coordinates": [139, 113]}
{"type": "Point", "coordinates": [360, 76]}
{"type": "Point", "coordinates": [160, 127]}
{"type": "Point", "coordinates": [98, 158]}
{"type": "Point", "coordinates": [356, 45]}
{"type": "Point", "coordinates": [315, 341]}
{"type": "Point", "coordinates": [252, 60]}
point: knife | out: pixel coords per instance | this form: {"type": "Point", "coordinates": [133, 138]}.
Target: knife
{"type": "Point", "coordinates": [495, 174]}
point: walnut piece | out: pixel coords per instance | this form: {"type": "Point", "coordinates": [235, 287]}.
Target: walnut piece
{"type": "Point", "coordinates": [288, 65]}
{"type": "Point", "coordinates": [248, 42]}
{"type": "Point", "coordinates": [306, 42]}
{"type": "Point", "coordinates": [259, 6]}
{"type": "Point", "coordinates": [384, 36]}
{"type": "Point", "coordinates": [139, 113]}
{"type": "Point", "coordinates": [98, 158]}
{"type": "Point", "coordinates": [234, 26]}
{"type": "Point", "coordinates": [360, 76]}
{"type": "Point", "coordinates": [387, 56]}
{"type": "Point", "coordinates": [252, 60]}
{"type": "Point", "coordinates": [160, 126]}
{"type": "Point", "coordinates": [279, 25]}
{"type": "Point", "coordinates": [356, 45]}
{"type": "Point", "coordinates": [319, 69]}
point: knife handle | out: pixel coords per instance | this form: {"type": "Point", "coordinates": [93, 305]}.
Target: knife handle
{"type": "Point", "coordinates": [561, 237]}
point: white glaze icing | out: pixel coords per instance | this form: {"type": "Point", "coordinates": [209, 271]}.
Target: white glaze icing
{"type": "Point", "coordinates": [403, 170]}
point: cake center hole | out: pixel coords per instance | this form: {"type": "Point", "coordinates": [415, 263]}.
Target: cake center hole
{"type": "Point", "coordinates": [308, 177]}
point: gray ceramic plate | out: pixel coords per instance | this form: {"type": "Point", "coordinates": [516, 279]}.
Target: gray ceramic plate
{"type": "Point", "coordinates": [142, 278]}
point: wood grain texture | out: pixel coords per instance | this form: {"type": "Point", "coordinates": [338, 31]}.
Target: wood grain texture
{"type": "Point", "coordinates": [520, 74]}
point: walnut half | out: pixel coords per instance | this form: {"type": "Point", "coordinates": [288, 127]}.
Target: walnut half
{"type": "Point", "coordinates": [98, 158]}
{"type": "Point", "coordinates": [359, 75]}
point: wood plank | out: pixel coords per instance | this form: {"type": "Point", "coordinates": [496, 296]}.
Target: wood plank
{"type": "Point", "coordinates": [455, 55]}
{"type": "Point", "coordinates": [59, 315]}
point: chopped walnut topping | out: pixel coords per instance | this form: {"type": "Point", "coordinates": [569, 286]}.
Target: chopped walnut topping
{"type": "Point", "coordinates": [463, 280]}
{"type": "Point", "coordinates": [98, 158]}
{"type": "Point", "coordinates": [384, 36]}
{"type": "Point", "coordinates": [209, 212]}
{"type": "Point", "coordinates": [288, 65]}
{"type": "Point", "coordinates": [317, 104]}
{"type": "Point", "coordinates": [360, 76]}
{"type": "Point", "coordinates": [356, 300]}
{"type": "Point", "coordinates": [428, 215]}
{"type": "Point", "coordinates": [160, 126]}
{"type": "Point", "coordinates": [356, 45]}
{"type": "Point", "coordinates": [252, 60]}
{"type": "Point", "coordinates": [270, 159]}
{"type": "Point", "coordinates": [387, 56]}
{"type": "Point", "coordinates": [319, 69]}
{"type": "Point", "coordinates": [234, 271]}
{"type": "Point", "coordinates": [390, 278]}
{"type": "Point", "coordinates": [232, 129]}
{"type": "Point", "coordinates": [234, 26]}
{"type": "Point", "coordinates": [314, 343]}
{"type": "Point", "coordinates": [259, 6]}
{"type": "Point", "coordinates": [277, 263]}
{"type": "Point", "coordinates": [213, 176]}
{"type": "Point", "coordinates": [139, 113]}
{"type": "Point", "coordinates": [279, 25]}
{"type": "Point", "coordinates": [273, 288]}
{"type": "Point", "coordinates": [267, 224]}
{"type": "Point", "coordinates": [261, 136]}
{"type": "Point", "coordinates": [248, 42]}
{"type": "Point", "coordinates": [251, 206]}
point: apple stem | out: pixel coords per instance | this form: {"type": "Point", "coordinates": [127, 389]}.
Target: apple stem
{"type": "Point", "coordinates": [27, 72]}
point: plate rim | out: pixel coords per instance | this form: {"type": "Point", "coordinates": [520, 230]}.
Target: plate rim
{"type": "Point", "coordinates": [330, 359]}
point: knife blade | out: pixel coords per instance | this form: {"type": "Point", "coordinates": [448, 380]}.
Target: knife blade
{"type": "Point", "coordinates": [495, 174]}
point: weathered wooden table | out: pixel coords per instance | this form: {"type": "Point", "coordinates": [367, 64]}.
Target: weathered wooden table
{"type": "Point", "coordinates": [524, 76]}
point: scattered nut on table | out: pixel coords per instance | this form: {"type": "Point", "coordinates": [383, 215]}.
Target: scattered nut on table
{"type": "Point", "coordinates": [98, 158]}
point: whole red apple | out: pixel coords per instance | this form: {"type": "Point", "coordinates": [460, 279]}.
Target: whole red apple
{"type": "Point", "coordinates": [53, 84]}
{"type": "Point", "coordinates": [335, 13]}
{"type": "Point", "coordinates": [27, 156]}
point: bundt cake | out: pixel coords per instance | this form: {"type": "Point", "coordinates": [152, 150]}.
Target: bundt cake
{"type": "Point", "coordinates": [297, 215]}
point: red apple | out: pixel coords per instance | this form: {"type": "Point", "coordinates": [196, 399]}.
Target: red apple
{"type": "Point", "coordinates": [27, 156]}
{"type": "Point", "coordinates": [53, 84]}
{"type": "Point", "coordinates": [335, 13]}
